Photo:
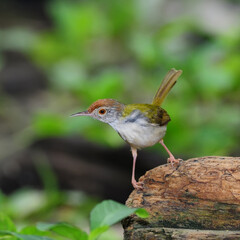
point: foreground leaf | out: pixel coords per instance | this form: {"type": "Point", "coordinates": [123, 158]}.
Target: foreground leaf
{"type": "Point", "coordinates": [97, 232]}
{"type": "Point", "coordinates": [64, 229]}
{"type": "Point", "coordinates": [24, 237]}
{"type": "Point", "coordinates": [108, 213]}
{"type": "Point", "coordinates": [142, 213]}
{"type": "Point", "coordinates": [32, 230]}
{"type": "Point", "coordinates": [6, 223]}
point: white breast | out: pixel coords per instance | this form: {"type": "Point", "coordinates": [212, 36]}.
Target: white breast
{"type": "Point", "coordinates": [140, 133]}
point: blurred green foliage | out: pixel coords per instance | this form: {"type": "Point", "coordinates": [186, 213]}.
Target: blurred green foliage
{"type": "Point", "coordinates": [121, 50]}
{"type": "Point", "coordinates": [102, 217]}
{"type": "Point", "coordinates": [27, 206]}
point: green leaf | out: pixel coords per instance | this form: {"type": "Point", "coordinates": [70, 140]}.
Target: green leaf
{"type": "Point", "coordinates": [97, 232]}
{"type": "Point", "coordinates": [108, 213]}
{"type": "Point", "coordinates": [142, 213]}
{"type": "Point", "coordinates": [25, 237]}
{"type": "Point", "coordinates": [46, 226]}
{"type": "Point", "coordinates": [6, 223]}
{"type": "Point", "coordinates": [32, 230]}
{"type": "Point", "coordinates": [64, 229]}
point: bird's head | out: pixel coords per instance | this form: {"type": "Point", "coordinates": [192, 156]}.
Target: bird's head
{"type": "Point", "coordinates": [105, 110]}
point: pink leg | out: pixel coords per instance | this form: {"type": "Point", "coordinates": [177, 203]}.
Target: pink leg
{"type": "Point", "coordinates": [136, 185]}
{"type": "Point", "coordinates": [171, 158]}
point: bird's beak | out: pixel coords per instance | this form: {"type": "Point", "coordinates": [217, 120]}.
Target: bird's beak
{"type": "Point", "coordinates": [84, 113]}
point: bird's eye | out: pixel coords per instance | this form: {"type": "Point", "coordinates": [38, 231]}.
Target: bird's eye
{"type": "Point", "coordinates": [102, 111]}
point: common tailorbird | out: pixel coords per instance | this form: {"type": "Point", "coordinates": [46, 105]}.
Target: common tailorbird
{"type": "Point", "coordinates": [140, 125]}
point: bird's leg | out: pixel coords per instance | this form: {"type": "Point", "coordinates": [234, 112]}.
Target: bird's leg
{"type": "Point", "coordinates": [171, 158]}
{"type": "Point", "coordinates": [137, 185]}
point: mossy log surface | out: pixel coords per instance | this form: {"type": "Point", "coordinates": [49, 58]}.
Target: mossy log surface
{"type": "Point", "coordinates": [200, 194]}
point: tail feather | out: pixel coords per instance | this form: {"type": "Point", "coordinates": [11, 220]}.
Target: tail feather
{"type": "Point", "coordinates": [168, 82]}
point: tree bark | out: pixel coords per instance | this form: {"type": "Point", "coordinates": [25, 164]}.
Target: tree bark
{"type": "Point", "coordinates": [192, 201]}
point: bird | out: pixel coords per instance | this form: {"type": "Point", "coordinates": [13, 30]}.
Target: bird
{"type": "Point", "coordinates": [139, 125]}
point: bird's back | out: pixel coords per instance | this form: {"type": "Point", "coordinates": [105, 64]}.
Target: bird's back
{"type": "Point", "coordinates": [152, 113]}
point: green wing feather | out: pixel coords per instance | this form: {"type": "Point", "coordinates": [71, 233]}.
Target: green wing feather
{"type": "Point", "coordinates": [154, 114]}
{"type": "Point", "coordinates": [168, 82]}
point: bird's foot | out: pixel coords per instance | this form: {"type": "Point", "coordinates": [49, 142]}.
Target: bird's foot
{"type": "Point", "coordinates": [173, 160]}
{"type": "Point", "coordinates": [137, 185]}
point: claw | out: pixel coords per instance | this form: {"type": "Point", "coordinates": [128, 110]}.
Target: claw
{"type": "Point", "coordinates": [173, 160]}
{"type": "Point", "coordinates": [137, 185]}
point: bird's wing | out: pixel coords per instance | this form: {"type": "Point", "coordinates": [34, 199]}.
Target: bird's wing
{"type": "Point", "coordinates": [168, 82]}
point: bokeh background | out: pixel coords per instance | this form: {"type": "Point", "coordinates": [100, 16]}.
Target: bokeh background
{"type": "Point", "coordinates": [58, 56]}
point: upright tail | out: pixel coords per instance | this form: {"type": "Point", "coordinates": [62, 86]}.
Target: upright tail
{"type": "Point", "coordinates": [168, 82]}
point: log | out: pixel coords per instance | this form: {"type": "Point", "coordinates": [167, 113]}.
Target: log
{"type": "Point", "coordinates": [199, 199]}
{"type": "Point", "coordinates": [181, 234]}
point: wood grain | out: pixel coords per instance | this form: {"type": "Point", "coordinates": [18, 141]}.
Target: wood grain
{"type": "Point", "coordinates": [201, 193]}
